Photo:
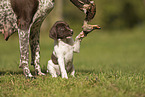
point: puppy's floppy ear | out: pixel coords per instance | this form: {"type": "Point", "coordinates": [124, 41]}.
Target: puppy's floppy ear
{"type": "Point", "coordinates": [53, 33]}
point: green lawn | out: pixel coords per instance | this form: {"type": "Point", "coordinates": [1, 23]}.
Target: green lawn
{"type": "Point", "coordinates": [110, 64]}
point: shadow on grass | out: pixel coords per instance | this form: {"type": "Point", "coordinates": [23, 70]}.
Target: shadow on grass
{"type": "Point", "coordinates": [19, 72]}
{"type": "Point", "coordinates": [10, 72]}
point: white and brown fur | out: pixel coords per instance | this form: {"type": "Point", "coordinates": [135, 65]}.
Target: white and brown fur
{"type": "Point", "coordinates": [64, 46]}
{"type": "Point", "coordinates": [26, 17]}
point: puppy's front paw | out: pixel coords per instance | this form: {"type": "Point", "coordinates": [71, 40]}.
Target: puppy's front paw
{"type": "Point", "coordinates": [64, 75]}
{"type": "Point", "coordinates": [54, 75]}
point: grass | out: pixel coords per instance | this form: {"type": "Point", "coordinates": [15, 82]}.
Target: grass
{"type": "Point", "coordinates": [110, 64]}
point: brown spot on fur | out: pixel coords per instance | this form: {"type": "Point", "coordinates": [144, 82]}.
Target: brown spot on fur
{"type": "Point", "coordinates": [60, 30]}
{"type": "Point", "coordinates": [91, 10]}
{"type": "Point", "coordinates": [54, 59]}
{"type": "Point", "coordinates": [80, 3]}
{"type": "Point", "coordinates": [24, 10]}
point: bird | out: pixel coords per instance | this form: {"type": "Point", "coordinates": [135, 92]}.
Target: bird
{"type": "Point", "coordinates": [89, 8]}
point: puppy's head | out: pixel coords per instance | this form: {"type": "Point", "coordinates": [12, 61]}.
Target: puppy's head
{"type": "Point", "coordinates": [60, 30]}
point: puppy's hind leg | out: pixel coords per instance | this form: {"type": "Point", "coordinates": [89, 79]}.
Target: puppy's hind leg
{"type": "Point", "coordinates": [51, 69]}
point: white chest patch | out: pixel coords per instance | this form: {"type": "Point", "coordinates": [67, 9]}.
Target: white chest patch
{"type": "Point", "coordinates": [64, 48]}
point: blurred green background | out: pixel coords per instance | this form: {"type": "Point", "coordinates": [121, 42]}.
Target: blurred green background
{"type": "Point", "coordinates": [110, 15]}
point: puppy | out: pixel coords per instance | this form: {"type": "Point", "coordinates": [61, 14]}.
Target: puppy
{"type": "Point", "coordinates": [62, 57]}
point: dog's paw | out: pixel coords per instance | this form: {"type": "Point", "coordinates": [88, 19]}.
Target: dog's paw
{"type": "Point", "coordinates": [40, 73]}
{"type": "Point", "coordinates": [88, 28]}
{"type": "Point", "coordinates": [64, 76]}
{"type": "Point", "coordinates": [38, 70]}
{"type": "Point", "coordinates": [27, 73]}
{"type": "Point", "coordinates": [54, 75]}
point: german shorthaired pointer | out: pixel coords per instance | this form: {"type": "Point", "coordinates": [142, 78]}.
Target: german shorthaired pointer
{"type": "Point", "coordinates": [26, 17]}
{"type": "Point", "coordinates": [64, 46]}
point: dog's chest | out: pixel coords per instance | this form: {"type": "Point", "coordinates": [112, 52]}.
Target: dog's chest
{"type": "Point", "coordinates": [65, 50]}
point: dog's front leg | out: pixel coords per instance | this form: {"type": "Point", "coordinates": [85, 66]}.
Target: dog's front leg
{"type": "Point", "coordinates": [62, 67]}
{"type": "Point", "coordinates": [77, 45]}
{"type": "Point", "coordinates": [24, 51]}
{"type": "Point", "coordinates": [35, 48]}
{"type": "Point", "coordinates": [77, 42]}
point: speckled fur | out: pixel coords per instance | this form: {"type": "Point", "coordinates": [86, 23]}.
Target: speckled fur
{"type": "Point", "coordinates": [8, 22]}
{"type": "Point", "coordinates": [7, 18]}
